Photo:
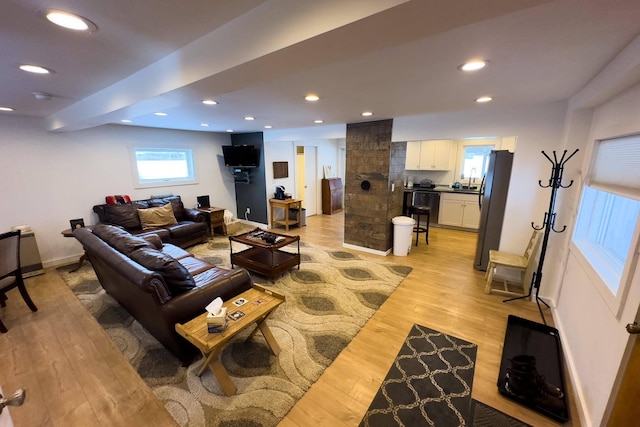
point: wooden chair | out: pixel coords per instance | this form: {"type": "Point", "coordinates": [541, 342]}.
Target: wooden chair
{"type": "Point", "coordinates": [522, 264]}
{"type": "Point", "coordinates": [10, 271]}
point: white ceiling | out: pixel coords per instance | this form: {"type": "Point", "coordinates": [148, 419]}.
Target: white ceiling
{"type": "Point", "coordinates": [260, 57]}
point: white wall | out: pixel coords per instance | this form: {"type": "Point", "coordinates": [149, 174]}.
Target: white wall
{"type": "Point", "coordinates": [279, 152]}
{"type": "Point", "coordinates": [595, 338]}
{"type": "Point", "coordinates": [49, 178]}
{"type": "Point", "coordinates": [281, 146]}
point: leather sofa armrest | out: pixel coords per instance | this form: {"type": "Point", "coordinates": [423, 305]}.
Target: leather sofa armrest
{"type": "Point", "coordinates": [194, 215]}
{"type": "Point", "coordinates": [185, 306]}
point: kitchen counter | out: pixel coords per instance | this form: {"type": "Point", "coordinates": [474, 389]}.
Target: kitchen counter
{"type": "Point", "coordinates": [442, 189]}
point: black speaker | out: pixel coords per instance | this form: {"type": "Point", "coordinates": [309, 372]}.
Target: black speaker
{"type": "Point", "coordinates": [203, 202]}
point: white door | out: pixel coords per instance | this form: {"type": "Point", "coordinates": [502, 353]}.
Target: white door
{"type": "Point", "coordinates": [311, 180]}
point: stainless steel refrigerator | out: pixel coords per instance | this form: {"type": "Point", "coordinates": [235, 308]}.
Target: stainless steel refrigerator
{"type": "Point", "coordinates": [493, 199]}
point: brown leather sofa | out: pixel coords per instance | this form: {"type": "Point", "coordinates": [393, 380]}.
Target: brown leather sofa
{"type": "Point", "coordinates": [190, 229]}
{"type": "Point", "coordinates": [159, 284]}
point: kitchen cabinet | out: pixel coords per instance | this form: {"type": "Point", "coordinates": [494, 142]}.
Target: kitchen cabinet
{"type": "Point", "coordinates": [459, 210]}
{"type": "Point", "coordinates": [429, 155]}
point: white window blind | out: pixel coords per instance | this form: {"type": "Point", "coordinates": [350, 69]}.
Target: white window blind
{"type": "Point", "coordinates": [616, 166]}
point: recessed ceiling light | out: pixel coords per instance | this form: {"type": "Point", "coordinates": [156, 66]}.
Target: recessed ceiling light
{"type": "Point", "coordinates": [484, 99]}
{"type": "Point", "coordinates": [204, 124]}
{"type": "Point", "coordinates": [42, 96]}
{"type": "Point", "coordinates": [318, 121]}
{"type": "Point", "coordinates": [209, 102]}
{"type": "Point", "coordinates": [6, 109]}
{"type": "Point", "coordinates": [249, 118]}
{"type": "Point", "coordinates": [312, 97]}
{"type": "Point", "coordinates": [473, 65]}
{"type": "Point", "coordinates": [35, 69]}
{"type": "Point", "coordinates": [159, 113]}
{"type": "Point", "coordinates": [125, 121]}
{"type": "Point", "coordinates": [268, 126]}
{"type": "Point", "coordinates": [68, 20]}
{"type": "Point", "coordinates": [229, 130]}
{"type": "Point", "coordinates": [367, 113]}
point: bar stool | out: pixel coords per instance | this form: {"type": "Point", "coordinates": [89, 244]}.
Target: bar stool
{"type": "Point", "coordinates": [418, 211]}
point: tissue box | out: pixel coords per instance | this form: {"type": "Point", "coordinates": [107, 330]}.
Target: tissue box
{"type": "Point", "coordinates": [217, 319]}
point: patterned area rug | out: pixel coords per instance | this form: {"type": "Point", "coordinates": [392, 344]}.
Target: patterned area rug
{"type": "Point", "coordinates": [429, 383]}
{"type": "Point", "coordinates": [328, 301]}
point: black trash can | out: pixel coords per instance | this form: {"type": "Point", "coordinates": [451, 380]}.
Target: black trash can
{"type": "Point", "coordinates": [293, 215]}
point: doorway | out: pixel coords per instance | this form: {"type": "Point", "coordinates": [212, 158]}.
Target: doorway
{"type": "Point", "coordinates": [306, 176]}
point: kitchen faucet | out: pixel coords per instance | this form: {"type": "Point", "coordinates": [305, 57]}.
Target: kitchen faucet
{"type": "Point", "coordinates": [471, 176]}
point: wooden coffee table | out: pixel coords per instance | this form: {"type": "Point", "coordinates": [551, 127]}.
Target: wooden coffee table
{"type": "Point", "coordinates": [260, 304]}
{"type": "Point", "coordinates": [265, 258]}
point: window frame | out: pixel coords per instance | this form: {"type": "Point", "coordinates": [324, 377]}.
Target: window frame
{"type": "Point", "coordinates": [594, 259]}
{"type": "Point", "coordinates": [164, 182]}
{"type": "Point", "coordinates": [463, 144]}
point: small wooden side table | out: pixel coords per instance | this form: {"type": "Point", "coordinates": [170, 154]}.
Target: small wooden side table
{"type": "Point", "coordinates": [215, 219]}
{"type": "Point", "coordinates": [286, 204]}
{"type": "Point", "coordinates": [69, 233]}
{"type": "Point", "coordinates": [259, 304]}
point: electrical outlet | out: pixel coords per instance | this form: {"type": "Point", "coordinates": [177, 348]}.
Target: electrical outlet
{"type": "Point", "coordinates": [248, 211]}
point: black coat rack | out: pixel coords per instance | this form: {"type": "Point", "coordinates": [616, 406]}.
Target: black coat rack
{"type": "Point", "coordinates": [548, 224]}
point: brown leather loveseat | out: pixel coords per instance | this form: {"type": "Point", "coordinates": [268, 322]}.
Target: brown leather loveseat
{"type": "Point", "coordinates": [158, 284]}
{"type": "Point", "coordinates": [178, 225]}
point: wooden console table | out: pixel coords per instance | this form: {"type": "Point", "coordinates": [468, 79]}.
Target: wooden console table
{"type": "Point", "coordinates": [286, 205]}
{"type": "Point", "coordinates": [215, 219]}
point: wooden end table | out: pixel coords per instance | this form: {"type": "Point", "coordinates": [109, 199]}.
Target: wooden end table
{"type": "Point", "coordinates": [286, 205]}
{"type": "Point", "coordinates": [260, 303]}
{"type": "Point", "coordinates": [215, 219]}
{"type": "Point", "coordinates": [69, 233]}
{"type": "Point", "coordinates": [264, 258]}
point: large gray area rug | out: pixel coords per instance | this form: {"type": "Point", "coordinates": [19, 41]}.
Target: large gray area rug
{"type": "Point", "coordinates": [328, 301]}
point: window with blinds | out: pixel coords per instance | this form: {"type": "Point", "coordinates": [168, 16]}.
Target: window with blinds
{"type": "Point", "coordinates": [608, 222]}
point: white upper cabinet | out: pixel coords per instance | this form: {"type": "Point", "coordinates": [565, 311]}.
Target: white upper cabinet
{"type": "Point", "coordinates": [429, 155]}
{"type": "Point", "coordinates": [413, 155]}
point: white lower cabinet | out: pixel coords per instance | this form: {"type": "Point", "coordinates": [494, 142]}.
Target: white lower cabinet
{"type": "Point", "coordinates": [459, 210]}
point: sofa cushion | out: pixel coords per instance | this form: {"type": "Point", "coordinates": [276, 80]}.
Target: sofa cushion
{"type": "Point", "coordinates": [157, 217]}
{"type": "Point", "coordinates": [186, 229]}
{"type": "Point", "coordinates": [120, 239]}
{"type": "Point", "coordinates": [195, 265]}
{"type": "Point", "coordinates": [125, 215]}
{"type": "Point", "coordinates": [176, 277]}
{"type": "Point", "coordinates": [154, 239]}
{"type": "Point", "coordinates": [176, 252]}
{"type": "Point", "coordinates": [163, 233]}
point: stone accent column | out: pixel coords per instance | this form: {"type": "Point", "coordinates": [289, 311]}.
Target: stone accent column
{"type": "Point", "coordinates": [372, 158]}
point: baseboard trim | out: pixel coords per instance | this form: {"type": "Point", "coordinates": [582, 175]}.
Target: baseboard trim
{"type": "Point", "coordinates": [367, 250]}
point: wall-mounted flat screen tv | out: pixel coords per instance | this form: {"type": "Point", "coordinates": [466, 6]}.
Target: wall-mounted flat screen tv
{"type": "Point", "coordinates": [241, 156]}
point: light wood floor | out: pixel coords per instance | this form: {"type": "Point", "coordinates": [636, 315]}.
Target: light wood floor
{"type": "Point", "coordinates": [74, 375]}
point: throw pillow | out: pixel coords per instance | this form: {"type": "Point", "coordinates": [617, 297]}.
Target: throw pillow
{"type": "Point", "coordinates": [176, 277]}
{"type": "Point", "coordinates": [157, 217]}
